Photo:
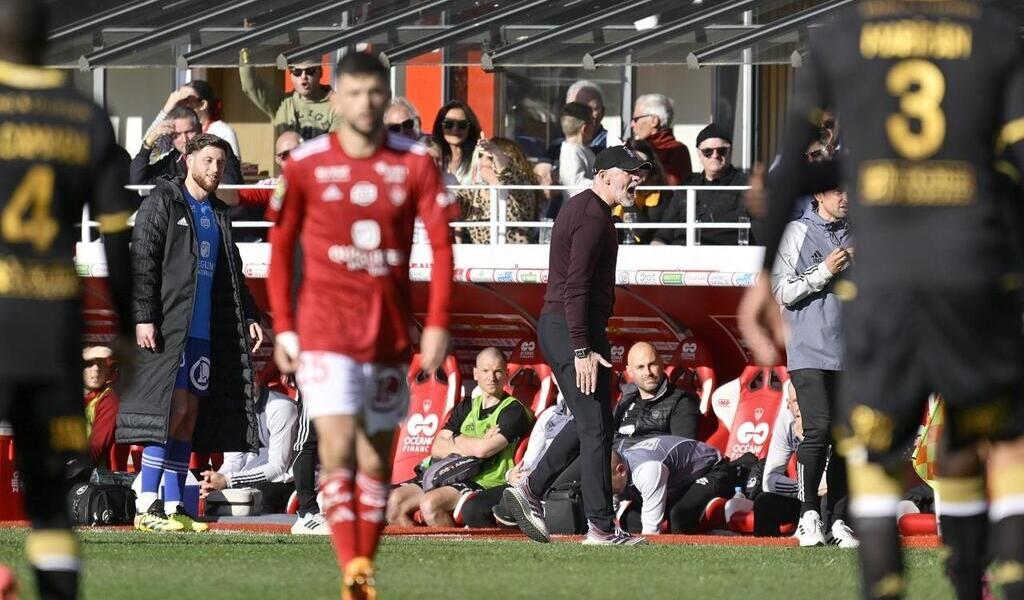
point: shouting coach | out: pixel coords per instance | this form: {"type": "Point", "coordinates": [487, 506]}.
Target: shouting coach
{"type": "Point", "coordinates": [573, 336]}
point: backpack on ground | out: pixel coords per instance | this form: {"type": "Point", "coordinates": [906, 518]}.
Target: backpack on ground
{"type": "Point", "coordinates": [563, 509]}
{"type": "Point", "coordinates": [100, 504]}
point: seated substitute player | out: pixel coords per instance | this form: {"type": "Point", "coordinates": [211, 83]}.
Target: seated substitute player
{"type": "Point", "coordinates": [488, 427]}
{"type": "Point", "coordinates": [937, 92]}
{"type": "Point", "coordinates": [61, 154]}
{"type": "Point", "coordinates": [351, 197]}
{"type": "Point", "coordinates": [658, 471]}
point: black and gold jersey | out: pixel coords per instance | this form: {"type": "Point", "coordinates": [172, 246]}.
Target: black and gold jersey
{"type": "Point", "coordinates": [57, 154]}
{"type": "Point", "coordinates": [930, 98]}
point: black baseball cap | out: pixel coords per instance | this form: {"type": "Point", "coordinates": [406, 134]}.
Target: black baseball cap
{"type": "Point", "coordinates": [619, 157]}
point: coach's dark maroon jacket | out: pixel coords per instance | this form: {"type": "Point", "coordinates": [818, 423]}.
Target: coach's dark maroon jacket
{"type": "Point", "coordinates": [581, 269]}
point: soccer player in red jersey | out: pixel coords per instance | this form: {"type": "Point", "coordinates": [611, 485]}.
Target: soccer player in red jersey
{"type": "Point", "coordinates": [351, 197]}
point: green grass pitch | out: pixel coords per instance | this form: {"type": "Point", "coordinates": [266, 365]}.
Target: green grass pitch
{"type": "Point", "coordinates": [215, 566]}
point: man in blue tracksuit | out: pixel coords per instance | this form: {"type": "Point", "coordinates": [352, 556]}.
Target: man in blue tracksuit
{"type": "Point", "coordinates": [814, 249]}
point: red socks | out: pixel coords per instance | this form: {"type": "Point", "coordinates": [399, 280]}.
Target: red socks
{"type": "Point", "coordinates": [371, 503]}
{"type": "Point", "coordinates": [338, 489]}
{"type": "Point", "coordinates": [355, 508]}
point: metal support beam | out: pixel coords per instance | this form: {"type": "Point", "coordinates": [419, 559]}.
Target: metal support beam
{"type": "Point", "coordinates": [287, 24]}
{"type": "Point", "coordinates": [95, 22]}
{"type": "Point", "coordinates": [673, 29]}
{"type": "Point", "coordinates": [180, 27]}
{"type": "Point", "coordinates": [774, 29]}
{"type": "Point", "coordinates": [383, 23]}
{"type": "Point", "coordinates": [482, 23]}
{"type": "Point", "coordinates": [489, 60]}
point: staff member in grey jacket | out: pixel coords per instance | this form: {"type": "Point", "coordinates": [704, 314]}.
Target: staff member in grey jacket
{"type": "Point", "coordinates": [574, 338]}
{"type": "Point", "coordinates": [815, 248]}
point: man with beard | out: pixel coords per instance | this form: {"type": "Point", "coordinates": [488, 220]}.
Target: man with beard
{"type": "Point", "coordinates": [191, 306]}
{"type": "Point", "coordinates": [574, 338]}
{"type": "Point", "coordinates": [352, 198]}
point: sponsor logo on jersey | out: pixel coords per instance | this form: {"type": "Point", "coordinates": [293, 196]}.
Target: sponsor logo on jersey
{"type": "Point", "coordinates": [363, 193]}
{"type": "Point", "coordinates": [332, 174]}
{"type": "Point", "coordinates": [397, 195]}
{"type": "Point", "coordinates": [702, 481]}
{"type": "Point", "coordinates": [391, 173]}
{"type": "Point", "coordinates": [444, 199]}
{"type": "Point", "coordinates": [816, 257]}
{"type": "Point", "coordinates": [183, 222]}
{"type": "Point", "coordinates": [366, 234]}
{"type": "Point", "coordinates": [331, 194]}
{"type": "Point", "coordinates": [200, 374]}
{"type": "Point", "coordinates": [204, 249]}
{"type": "Point", "coordinates": [375, 262]}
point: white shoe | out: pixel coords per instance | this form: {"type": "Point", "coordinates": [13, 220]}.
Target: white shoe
{"type": "Point", "coordinates": [842, 535]}
{"type": "Point", "coordinates": [809, 531]}
{"type": "Point", "coordinates": [311, 524]}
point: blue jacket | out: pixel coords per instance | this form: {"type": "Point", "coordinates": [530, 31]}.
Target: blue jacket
{"type": "Point", "coordinates": [803, 285]}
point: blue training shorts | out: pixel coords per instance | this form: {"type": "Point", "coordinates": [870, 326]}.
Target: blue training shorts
{"type": "Point", "coordinates": [194, 371]}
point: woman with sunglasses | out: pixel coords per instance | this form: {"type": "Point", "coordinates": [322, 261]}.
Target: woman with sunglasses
{"type": "Point", "coordinates": [456, 131]}
{"type": "Point", "coordinates": [500, 161]}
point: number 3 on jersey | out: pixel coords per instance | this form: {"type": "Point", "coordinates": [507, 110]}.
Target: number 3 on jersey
{"type": "Point", "coordinates": [920, 86]}
{"type": "Point", "coordinates": [27, 218]}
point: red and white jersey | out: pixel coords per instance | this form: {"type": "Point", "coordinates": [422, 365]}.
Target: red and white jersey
{"type": "Point", "coordinates": [354, 218]}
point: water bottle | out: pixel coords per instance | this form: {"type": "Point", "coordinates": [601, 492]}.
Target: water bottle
{"type": "Point", "coordinates": [744, 233]}
{"type": "Point", "coordinates": [419, 232]}
{"type": "Point", "coordinates": [545, 233]}
{"type": "Point", "coordinates": [628, 216]}
{"type": "Point", "coordinates": [739, 495]}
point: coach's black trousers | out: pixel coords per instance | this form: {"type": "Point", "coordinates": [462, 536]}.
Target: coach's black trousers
{"type": "Point", "coordinates": [593, 418]}
{"type": "Point", "coordinates": [816, 395]}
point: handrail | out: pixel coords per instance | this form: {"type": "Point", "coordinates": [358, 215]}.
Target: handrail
{"type": "Point", "coordinates": [497, 223]}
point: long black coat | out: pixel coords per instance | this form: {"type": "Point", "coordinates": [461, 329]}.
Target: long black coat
{"type": "Point", "coordinates": [164, 266]}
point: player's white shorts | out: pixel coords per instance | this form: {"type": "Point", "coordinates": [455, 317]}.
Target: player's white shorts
{"type": "Point", "coordinates": [334, 384]}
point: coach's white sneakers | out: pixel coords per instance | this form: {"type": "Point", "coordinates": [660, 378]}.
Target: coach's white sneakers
{"type": "Point", "coordinates": [810, 530]}
{"type": "Point", "coordinates": [311, 524]}
{"type": "Point", "coordinates": [842, 535]}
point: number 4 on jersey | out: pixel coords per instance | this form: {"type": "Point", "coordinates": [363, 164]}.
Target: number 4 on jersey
{"type": "Point", "coordinates": [27, 218]}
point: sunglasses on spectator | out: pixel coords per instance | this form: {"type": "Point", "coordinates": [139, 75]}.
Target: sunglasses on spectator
{"type": "Point", "coordinates": [406, 125]}
{"type": "Point", "coordinates": [97, 362]}
{"type": "Point", "coordinates": [283, 156]}
{"type": "Point", "coordinates": [638, 117]}
{"type": "Point", "coordinates": [719, 150]}
{"type": "Point", "coordinates": [311, 71]}
{"type": "Point", "coordinates": [815, 154]}
{"type": "Point", "coordinates": [455, 124]}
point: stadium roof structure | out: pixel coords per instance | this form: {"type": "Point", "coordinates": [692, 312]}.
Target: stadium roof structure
{"type": "Point", "coordinates": [495, 34]}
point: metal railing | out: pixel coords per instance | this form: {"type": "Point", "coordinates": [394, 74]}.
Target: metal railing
{"type": "Point", "coordinates": [498, 224]}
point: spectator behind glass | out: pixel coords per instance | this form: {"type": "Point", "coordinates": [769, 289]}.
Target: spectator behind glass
{"type": "Point", "coordinates": [575, 159]}
{"type": "Point", "coordinates": [181, 125]}
{"type": "Point", "coordinates": [652, 121]}
{"type": "Point", "coordinates": [260, 198]}
{"type": "Point", "coordinates": [306, 111]}
{"type": "Point", "coordinates": [402, 117]}
{"type": "Point", "coordinates": [456, 131]}
{"type": "Point", "coordinates": [551, 200]}
{"type": "Point", "coordinates": [651, 205]}
{"type": "Point", "coordinates": [588, 94]}
{"type": "Point", "coordinates": [500, 161]}
{"type": "Point", "coordinates": [101, 407]}
{"type": "Point", "coordinates": [209, 108]}
{"type": "Point", "coordinates": [713, 206]}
